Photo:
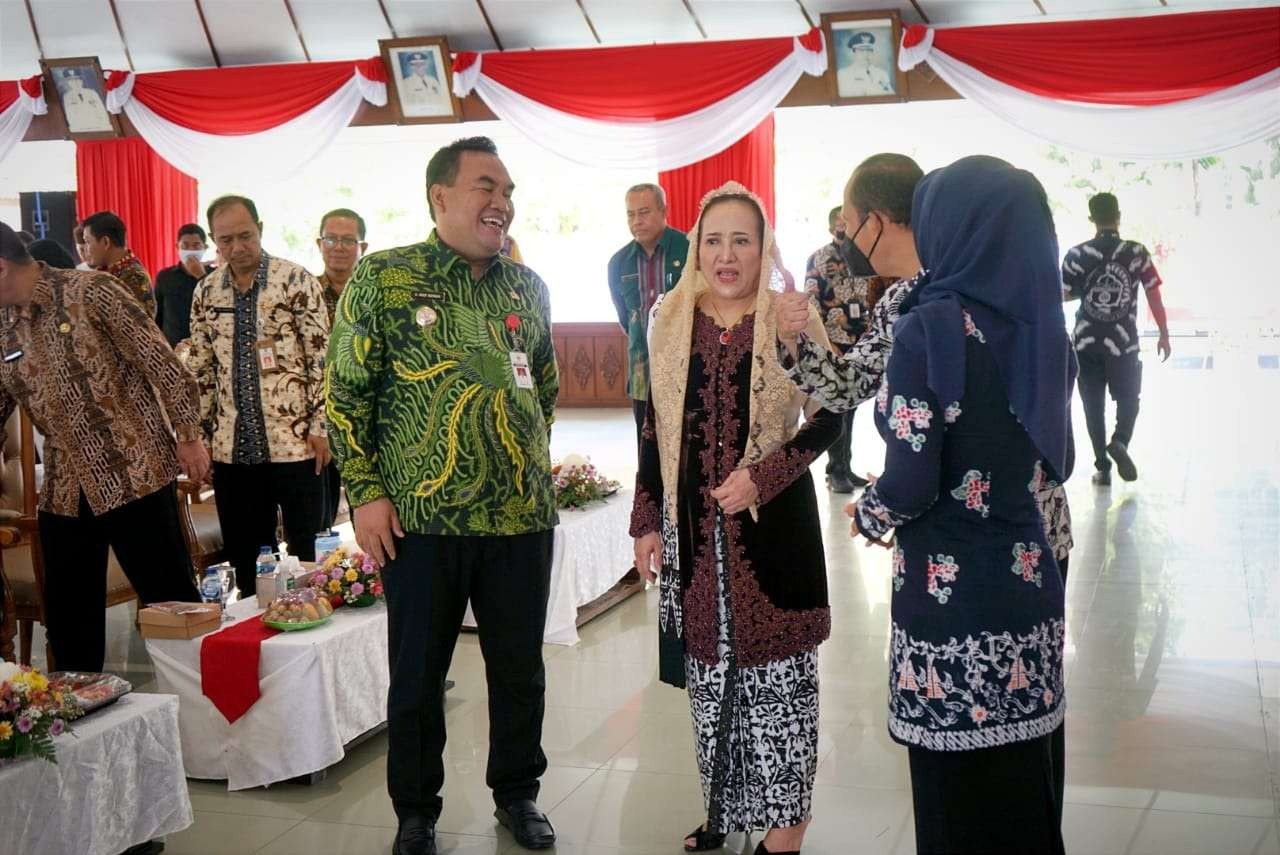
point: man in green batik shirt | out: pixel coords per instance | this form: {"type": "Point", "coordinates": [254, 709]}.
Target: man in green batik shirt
{"type": "Point", "coordinates": [442, 385]}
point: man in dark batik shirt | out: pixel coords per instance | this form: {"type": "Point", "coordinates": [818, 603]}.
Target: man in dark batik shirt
{"type": "Point", "coordinates": [104, 241]}
{"type": "Point", "coordinates": [1104, 275]}
{"type": "Point", "coordinates": [836, 278]}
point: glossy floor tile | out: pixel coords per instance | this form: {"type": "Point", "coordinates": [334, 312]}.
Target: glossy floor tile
{"type": "Point", "coordinates": [1173, 723]}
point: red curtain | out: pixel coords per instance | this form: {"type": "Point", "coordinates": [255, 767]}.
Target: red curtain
{"type": "Point", "coordinates": [749, 161]}
{"type": "Point", "coordinates": [126, 177]}
{"type": "Point", "coordinates": [1144, 61]}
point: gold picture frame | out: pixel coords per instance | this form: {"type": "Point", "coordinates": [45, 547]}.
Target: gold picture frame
{"type": "Point", "coordinates": [862, 57]}
{"type": "Point", "coordinates": [81, 91]}
{"type": "Point", "coordinates": [420, 80]}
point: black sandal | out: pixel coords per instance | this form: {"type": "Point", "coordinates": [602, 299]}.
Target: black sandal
{"type": "Point", "coordinates": [762, 850]}
{"type": "Point", "coordinates": [703, 840]}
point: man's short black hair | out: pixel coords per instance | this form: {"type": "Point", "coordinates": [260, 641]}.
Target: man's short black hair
{"type": "Point", "coordinates": [11, 247]}
{"type": "Point", "coordinates": [443, 166]}
{"type": "Point", "coordinates": [26, 237]}
{"type": "Point", "coordinates": [886, 183]}
{"type": "Point", "coordinates": [833, 215]}
{"type": "Point", "coordinates": [1104, 209]}
{"type": "Point", "coordinates": [106, 224]}
{"type": "Point", "coordinates": [346, 214]}
{"type": "Point", "coordinates": [51, 253]}
{"type": "Point", "coordinates": [193, 229]}
{"type": "Point", "coordinates": [223, 202]}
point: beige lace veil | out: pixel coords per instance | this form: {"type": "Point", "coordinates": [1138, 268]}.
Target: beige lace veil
{"type": "Point", "coordinates": [775, 405]}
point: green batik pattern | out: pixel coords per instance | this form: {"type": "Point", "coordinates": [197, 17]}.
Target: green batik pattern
{"type": "Point", "coordinates": [429, 414]}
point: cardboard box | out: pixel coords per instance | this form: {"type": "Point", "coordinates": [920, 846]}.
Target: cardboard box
{"type": "Point", "coordinates": [179, 620]}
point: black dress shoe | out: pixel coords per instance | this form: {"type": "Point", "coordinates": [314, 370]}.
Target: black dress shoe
{"type": "Point", "coordinates": [838, 482]}
{"type": "Point", "coordinates": [416, 836]}
{"type": "Point", "coordinates": [1102, 478]}
{"type": "Point", "coordinates": [1124, 463]}
{"type": "Point", "coordinates": [858, 481]}
{"type": "Point", "coordinates": [527, 824]}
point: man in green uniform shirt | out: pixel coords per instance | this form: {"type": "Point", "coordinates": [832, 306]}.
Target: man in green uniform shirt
{"type": "Point", "coordinates": [442, 387]}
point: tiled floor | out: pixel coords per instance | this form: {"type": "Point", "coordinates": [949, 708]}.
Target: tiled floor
{"type": "Point", "coordinates": [1174, 682]}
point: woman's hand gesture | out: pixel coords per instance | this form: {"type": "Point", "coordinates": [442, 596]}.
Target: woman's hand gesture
{"type": "Point", "coordinates": [737, 493]}
{"type": "Point", "coordinates": [649, 556]}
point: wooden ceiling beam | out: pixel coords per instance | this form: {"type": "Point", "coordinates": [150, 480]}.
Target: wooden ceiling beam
{"type": "Point", "coordinates": [35, 31]}
{"type": "Point", "coordinates": [391, 28]}
{"type": "Point", "coordinates": [489, 23]}
{"type": "Point", "coordinates": [688, 7]}
{"type": "Point", "coordinates": [590, 25]}
{"type": "Point", "coordinates": [294, 19]}
{"type": "Point", "coordinates": [128, 57]}
{"type": "Point", "coordinates": [208, 37]}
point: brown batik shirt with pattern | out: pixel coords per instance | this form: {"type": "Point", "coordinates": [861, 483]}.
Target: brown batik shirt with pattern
{"type": "Point", "coordinates": [103, 387]}
{"type": "Point", "coordinates": [135, 277]}
{"type": "Point", "coordinates": [291, 315]}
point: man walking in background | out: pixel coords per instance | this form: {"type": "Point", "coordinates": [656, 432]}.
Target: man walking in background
{"type": "Point", "coordinates": [1105, 275]}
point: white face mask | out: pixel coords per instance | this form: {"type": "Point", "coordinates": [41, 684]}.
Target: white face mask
{"type": "Point", "coordinates": [188, 254]}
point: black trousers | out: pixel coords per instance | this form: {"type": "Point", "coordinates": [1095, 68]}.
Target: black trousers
{"type": "Point", "coordinates": [992, 800]}
{"type": "Point", "coordinates": [332, 493]}
{"type": "Point", "coordinates": [1122, 376]}
{"type": "Point", "coordinates": [507, 580]}
{"type": "Point", "coordinates": [146, 536]}
{"type": "Point", "coordinates": [248, 497]}
{"type": "Point", "coordinates": [840, 453]}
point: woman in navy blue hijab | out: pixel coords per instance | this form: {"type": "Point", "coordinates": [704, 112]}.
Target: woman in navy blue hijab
{"type": "Point", "coordinates": [975, 412]}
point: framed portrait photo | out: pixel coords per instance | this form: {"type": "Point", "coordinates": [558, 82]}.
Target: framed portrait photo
{"type": "Point", "coordinates": [862, 54]}
{"type": "Point", "coordinates": [420, 79]}
{"type": "Point", "coordinates": [82, 97]}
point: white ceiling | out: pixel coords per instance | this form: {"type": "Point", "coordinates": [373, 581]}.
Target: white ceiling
{"type": "Point", "coordinates": [165, 34]}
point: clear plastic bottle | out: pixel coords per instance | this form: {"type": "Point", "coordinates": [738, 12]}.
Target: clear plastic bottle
{"type": "Point", "coordinates": [211, 585]}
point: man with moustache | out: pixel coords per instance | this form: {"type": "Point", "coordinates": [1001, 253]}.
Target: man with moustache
{"type": "Point", "coordinates": [258, 335]}
{"type": "Point", "coordinates": [341, 244]}
{"type": "Point", "coordinates": [442, 386]}
{"type": "Point", "coordinates": [640, 273]}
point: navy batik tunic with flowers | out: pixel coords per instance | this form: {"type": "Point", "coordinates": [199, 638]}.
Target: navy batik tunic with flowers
{"type": "Point", "coordinates": [977, 636]}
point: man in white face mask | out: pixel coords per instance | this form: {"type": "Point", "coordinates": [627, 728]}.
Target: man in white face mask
{"type": "Point", "coordinates": [176, 284]}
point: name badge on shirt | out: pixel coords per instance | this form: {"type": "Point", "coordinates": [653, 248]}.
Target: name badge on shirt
{"type": "Point", "coordinates": [266, 355]}
{"type": "Point", "coordinates": [520, 370]}
{"type": "Point", "coordinates": [855, 311]}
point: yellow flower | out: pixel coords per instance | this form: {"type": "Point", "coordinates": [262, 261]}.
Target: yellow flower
{"type": "Point", "coordinates": [352, 575]}
{"type": "Point", "coordinates": [335, 586]}
{"type": "Point", "coordinates": [34, 680]}
{"type": "Point", "coordinates": [6, 731]}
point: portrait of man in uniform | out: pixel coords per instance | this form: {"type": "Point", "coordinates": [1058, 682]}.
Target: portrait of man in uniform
{"type": "Point", "coordinates": [418, 70]}
{"type": "Point", "coordinates": [82, 96]}
{"type": "Point", "coordinates": [863, 54]}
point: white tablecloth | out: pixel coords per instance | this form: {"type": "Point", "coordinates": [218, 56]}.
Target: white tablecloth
{"type": "Point", "coordinates": [321, 688]}
{"type": "Point", "coordinates": [592, 552]}
{"type": "Point", "coordinates": [118, 783]}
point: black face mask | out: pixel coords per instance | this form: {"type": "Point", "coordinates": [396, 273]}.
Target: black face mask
{"type": "Point", "coordinates": [859, 264]}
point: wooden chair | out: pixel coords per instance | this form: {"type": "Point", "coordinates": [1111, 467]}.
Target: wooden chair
{"type": "Point", "coordinates": [21, 561]}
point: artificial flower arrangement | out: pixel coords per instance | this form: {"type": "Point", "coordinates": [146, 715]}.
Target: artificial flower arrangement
{"type": "Point", "coordinates": [578, 483]}
{"type": "Point", "coordinates": [348, 578]}
{"type": "Point", "coordinates": [32, 713]}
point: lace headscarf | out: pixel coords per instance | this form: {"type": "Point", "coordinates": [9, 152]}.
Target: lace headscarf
{"type": "Point", "coordinates": [775, 402]}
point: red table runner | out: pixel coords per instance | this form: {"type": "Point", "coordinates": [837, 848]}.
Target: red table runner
{"type": "Point", "coordinates": [229, 666]}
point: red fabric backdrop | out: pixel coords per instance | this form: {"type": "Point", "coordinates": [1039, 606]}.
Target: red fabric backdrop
{"type": "Point", "coordinates": [749, 161]}
{"type": "Point", "coordinates": [1126, 60]}
{"type": "Point", "coordinates": [645, 83]}
{"type": "Point", "coordinates": [125, 176]}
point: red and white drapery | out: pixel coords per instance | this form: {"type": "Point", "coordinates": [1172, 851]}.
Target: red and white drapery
{"type": "Point", "coordinates": [20, 101]}
{"type": "Point", "coordinates": [251, 124]}
{"type": "Point", "coordinates": [1160, 87]}
{"type": "Point", "coordinates": [651, 107]}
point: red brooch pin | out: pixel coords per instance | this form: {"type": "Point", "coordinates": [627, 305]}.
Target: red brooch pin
{"type": "Point", "coordinates": [513, 322]}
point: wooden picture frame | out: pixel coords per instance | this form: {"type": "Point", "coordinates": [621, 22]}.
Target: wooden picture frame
{"type": "Point", "coordinates": [80, 92]}
{"type": "Point", "coordinates": [862, 57]}
{"type": "Point", "coordinates": [420, 80]}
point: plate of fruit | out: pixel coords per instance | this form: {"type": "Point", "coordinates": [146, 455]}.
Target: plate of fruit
{"type": "Point", "coordinates": [297, 610]}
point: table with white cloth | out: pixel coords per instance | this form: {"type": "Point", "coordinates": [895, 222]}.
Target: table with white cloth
{"type": "Point", "coordinates": [320, 689]}
{"type": "Point", "coordinates": [118, 783]}
{"type": "Point", "coordinates": [593, 550]}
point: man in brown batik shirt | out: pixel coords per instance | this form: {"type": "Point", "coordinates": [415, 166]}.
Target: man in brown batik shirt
{"type": "Point", "coordinates": [120, 417]}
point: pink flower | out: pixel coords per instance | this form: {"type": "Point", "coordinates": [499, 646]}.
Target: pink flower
{"type": "Point", "coordinates": [336, 574]}
{"type": "Point", "coordinates": [25, 724]}
{"type": "Point", "coordinates": [357, 588]}
{"type": "Point", "coordinates": [57, 727]}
